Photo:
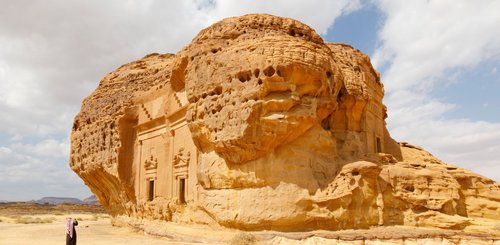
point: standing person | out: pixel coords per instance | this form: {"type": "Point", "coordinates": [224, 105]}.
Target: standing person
{"type": "Point", "coordinates": [71, 231]}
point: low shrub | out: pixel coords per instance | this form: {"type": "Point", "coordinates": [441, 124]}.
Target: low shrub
{"type": "Point", "coordinates": [31, 220]}
{"type": "Point", "coordinates": [244, 239]}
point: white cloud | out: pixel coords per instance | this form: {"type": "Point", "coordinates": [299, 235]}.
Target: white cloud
{"type": "Point", "coordinates": [319, 14]}
{"type": "Point", "coordinates": [424, 43]}
{"type": "Point", "coordinates": [53, 53]}
{"type": "Point", "coordinates": [422, 39]}
{"type": "Point", "coordinates": [26, 177]}
{"type": "Point", "coordinates": [471, 144]}
{"type": "Point", "coordinates": [45, 148]}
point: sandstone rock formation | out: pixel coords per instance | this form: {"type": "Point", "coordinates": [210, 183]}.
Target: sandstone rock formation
{"type": "Point", "coordinates": [260, 124]}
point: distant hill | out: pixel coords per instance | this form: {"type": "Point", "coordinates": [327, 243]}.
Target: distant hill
{"type": "Point", "coordinates": [91, 200]}
{"type": "Point", "coordinates": [59, 200]}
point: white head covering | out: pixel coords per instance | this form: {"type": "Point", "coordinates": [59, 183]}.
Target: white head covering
{"type": "Point", "coordinates": [69, 227]}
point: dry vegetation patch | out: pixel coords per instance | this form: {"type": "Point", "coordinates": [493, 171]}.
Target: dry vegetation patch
{"type": "Point", "coordinates": [33, 220]}
{"type": "Point", "coordinates": [33, 213]}
{"type": "Point", "coordinates": [27, 208]}
{"type": "Point", "coordinates": [244, 239]}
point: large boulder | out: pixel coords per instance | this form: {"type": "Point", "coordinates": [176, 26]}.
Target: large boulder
{"type": "Point", "coordinates": [260, 124]}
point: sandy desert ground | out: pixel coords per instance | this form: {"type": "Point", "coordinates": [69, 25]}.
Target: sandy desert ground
{"type": "Point", "coordinates": [45, 225]}
{"type": "Point", "coordinates": [90, 232]}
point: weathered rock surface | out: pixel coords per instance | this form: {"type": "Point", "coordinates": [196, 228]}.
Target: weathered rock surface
{"type": "Point", "coordinates": [260, 124]}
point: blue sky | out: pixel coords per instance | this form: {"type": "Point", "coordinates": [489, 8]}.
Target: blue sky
{"type": "Point", "coordinates": [439, 61]}
{"type": "Point", "coordinates": [357, 28]}
{"type": "Point", "coordinates": [475, 91]}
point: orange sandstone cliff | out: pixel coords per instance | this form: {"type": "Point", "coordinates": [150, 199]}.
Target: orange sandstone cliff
{"type": "Point", "coordinates": [260, 124]}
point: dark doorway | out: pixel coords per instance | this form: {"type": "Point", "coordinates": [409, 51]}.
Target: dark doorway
{"type": "Point", "coordinates": [151, 195]}
{"type": "Point", "coordinates": [379, 145]}
{"type": "Point", "coordinates": [182, 190]}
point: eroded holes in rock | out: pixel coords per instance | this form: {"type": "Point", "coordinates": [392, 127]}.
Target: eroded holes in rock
{"type": "Point", "coordinates": [193, 99]}
{"type": "Point", "coordinates": [192, 58]}
{"type": "Point", "coordinates": [328, 74]}
{"type": "Point", "coordinates": [342, 92]}
{"type": "Point", "coordinates": [269, 71]}
{"type": "Point", "coordinates": [75, 125]}
{"type": "Point", "coordinates": [214, 111]}
{"type": "Point", "coordinates": [325, 124]}
{"type": "Point", "coordinates": [256, 73]}
{"type": "Point", "coordinates": [214, 50]}
{"type": "Point", "coordinates": [244, 76]}
{"type": "Point", "coordinates": [355, 173]}
{"type": "Point", "coordinates": [410, 188]}
{"type": "Point", "coordinates": [218, 108]}
{"type": "Point", "coordinates": [291, 32]}
{"type": "Point", "coordinates": [428, 179]}
{"type": "Point", "coordinates": [218, 90]}
{"type": "Point", "coordinates": [241, 78]}
{"type": "Point", "coordinates": [420, 209]}
{"type": "Point", "coordinates": [281, 71]}
{"type": "Point", "coordinates": [204, 95]}
{"type": "Point", "coordinates": [259, 81]}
